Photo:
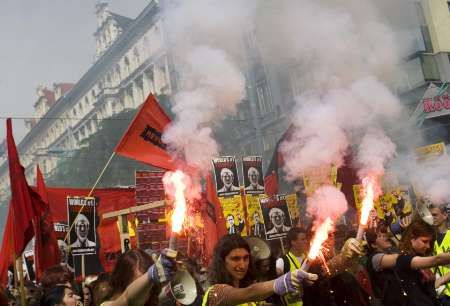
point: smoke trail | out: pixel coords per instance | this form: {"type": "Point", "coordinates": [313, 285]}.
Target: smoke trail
{"type": "Point", "coordinates": [375, 150]}
{"type": "Point", "coordinates": [346, 54]}
{"type": "Point", "coordinates": [326, 202]}
{"type": "Point", "coordinates": [207, 50]}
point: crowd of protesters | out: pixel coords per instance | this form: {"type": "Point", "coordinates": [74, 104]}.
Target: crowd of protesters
{"type": "Point", "coordinates": [404, 264]}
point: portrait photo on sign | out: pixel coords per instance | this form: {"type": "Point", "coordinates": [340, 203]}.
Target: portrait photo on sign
{"type": "Point", "coordinates": [81, 216]}
{"type": "Point", "coordinates": [252, 172]}
{"type": "Point", "coordinates": [277, 220]}
{"type": "Point", "coordinates": [225, 172]}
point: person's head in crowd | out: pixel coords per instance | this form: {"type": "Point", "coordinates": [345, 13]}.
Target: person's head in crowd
{"type": "Point", "coordinates": [297, 240]}
{"type": "Point", "coordinates": [63, 251]}
{"type": "Point", "coordinates": [101, 289]}
{"type": "Point", "coordinates": [253, 176]}
{"type": "Point", "coordinates": [418, 239]}
{"type": "Point", "coordinates": [439, 214]}
{"type": "Point", "coordinates": [227, 177]}
{"type": "Point", "coordinates": [57, 275]}
{"type": "Point", "coordinates": [59, 295]}
{"type": "Point", "coordinates": [87, 289]}
{"type": "Point", "coordinates": [232, 263]}
{"type": "Point", "coordinates": [378, 239]}
{"type": "Point", "coordinates": [277, 217]}
{"type": "Point", "coordinates": [130, 266]}
{"type": "Point", "coordinates": [82, 227]}
{"type": "Point", "coordinates": [33, 293]}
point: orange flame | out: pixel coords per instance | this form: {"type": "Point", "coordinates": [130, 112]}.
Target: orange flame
{"type": "Point", "coordinates": [320, 237]}
{"type": "Point", "coordinates": [175, 184]}
{"type": "Point", "coordinates": [367, 202]}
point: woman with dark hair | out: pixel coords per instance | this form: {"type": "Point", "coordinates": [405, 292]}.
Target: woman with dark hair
{"type": "Point", "coordinates": [412, 279]}
{"type": "Point", "coordinates": [59, 295]}
{"type": "Point", "coordinates": [232, 276]}
{"type": "Point", "coordinates": [136, 278]}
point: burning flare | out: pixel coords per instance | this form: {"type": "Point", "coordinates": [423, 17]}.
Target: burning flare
{"type": "Point", "coordinates": [367, 202]}
{"type": "Point", "coordinates": [175, 185]}
{"type": "Point", "coordinates": [320, 237]}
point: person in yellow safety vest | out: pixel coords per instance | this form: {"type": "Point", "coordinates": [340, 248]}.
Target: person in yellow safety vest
{"type": "Point", "coordinates": [297, 243]}
{"type": "Point", "coordinates": [232, 281]}
{"type": "Point", "coordinates": [441, 245]}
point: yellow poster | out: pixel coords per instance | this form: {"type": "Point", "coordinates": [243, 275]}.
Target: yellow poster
{"type": "Point", "coordinates": [431, 151]}
{"type": "Point", "coordinates": [390, 206]}
{"type": "Point", "coordinates": [254, 214]}
{"type": "Point", "coordinates": [325, 175]}
{"type": "Point", "coordinates": [233, 212]}
{"type": "Point", "coordinates": [294, 211]}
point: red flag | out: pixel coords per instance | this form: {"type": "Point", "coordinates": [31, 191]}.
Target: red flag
{"type": "Point", "coordinates": [7, 250]}
{"type": "Point", "coordinates": [46, 250]}
{"type": "Point", "coordinates": [213, 219]}
{"type": "Point", "coordinates": [26, 204]}
{"type": "Point", "coordinates": [142, 140]}
{"type": "Point", "coordinates": [271, 176]}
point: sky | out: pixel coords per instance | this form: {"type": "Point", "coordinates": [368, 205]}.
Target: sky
{"type": "Point", "coordinates": [45, 42]}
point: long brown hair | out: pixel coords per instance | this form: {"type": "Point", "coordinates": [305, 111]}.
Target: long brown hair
{"type": "Point", "coordinates": [218, 274]}
{"type": "Point", "coordinates": [416, 229]}
{"type": "Point", "coordinates": [124, 271]}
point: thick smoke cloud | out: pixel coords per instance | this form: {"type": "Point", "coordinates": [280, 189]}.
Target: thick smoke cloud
{"type": "Point", "coordinates": [348, 55]}
{"type": "Point", "coordinates": [326, 202]}
{"type": "Point", "coordinates": [207, 38]}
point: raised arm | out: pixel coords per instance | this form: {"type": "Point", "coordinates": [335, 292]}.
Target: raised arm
{"type": "Point", "coordinates": [163, 270]}
{"type": "Point", "coordinates": [222, 295]}
{"type": "Point", "coordinates": [388, 261]}
{"type": "Point", "coordinates": [430, 261]}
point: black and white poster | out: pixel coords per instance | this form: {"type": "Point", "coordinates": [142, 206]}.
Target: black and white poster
{"type": "Point", "coordinates": [252, 172]}
{"type": "Point", "coordinates": [225, 172]}
{"type": "Point", "coordinates": [277, 220]}
{"type": "Point", "coordinates": [81, 216]}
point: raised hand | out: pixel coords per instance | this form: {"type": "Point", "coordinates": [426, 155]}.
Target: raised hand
{"type": "Point", "coordinates": [164, 269]}
{"type": "Point", "coordinates": [290, 282]}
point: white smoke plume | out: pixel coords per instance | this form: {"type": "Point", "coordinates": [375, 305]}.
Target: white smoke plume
{"type": "Point", "coordinates": [211, 87]}
{"type": "Point", "coordinates": [345, 54]}
{"type": "Point", "coordinates": [430, 178]}
{"type": "Point", "coordinates": [326, 202]}
{"type": "Point", "coordinates": [206, 36]}
{"type": "Point", "coordinates": [375, 150]}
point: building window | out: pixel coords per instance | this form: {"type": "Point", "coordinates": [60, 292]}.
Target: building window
{"type": "Point", "coordinates": [424, 28]}
{"type": "Point", "coordinates": [448, 4]}
{"type": "Point", "coordinates": [264, 98]}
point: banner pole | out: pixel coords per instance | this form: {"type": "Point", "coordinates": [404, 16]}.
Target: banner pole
{"type": "Point", "coordinates": [282, 246]}
{"type": "Point", "coordinates": [101, 173]}
{"type": "Point", "coordinates": [22, 287]}
{"type": "Point", "coordinates": [90, 192]}
{"type": "Point", "coordinates": [83, 269]}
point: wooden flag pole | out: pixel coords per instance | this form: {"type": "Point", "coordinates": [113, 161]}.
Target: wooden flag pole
{"type": "Point", "coordinates": [23, 300]}
{"type": "Point", "coordinates": [90, 192]}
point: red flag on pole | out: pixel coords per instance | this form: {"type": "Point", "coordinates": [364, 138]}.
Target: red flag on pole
{"type": "Point", "coordinates": [7, 250]}
{"type": "Point", "coordinates": [25, 202]}
{"type": "Point", "coordinates": [46, 250]}
{"type": "Point", "coordinates": [213, 219]}
{"type": "Point", "coordinates": [142, 140]}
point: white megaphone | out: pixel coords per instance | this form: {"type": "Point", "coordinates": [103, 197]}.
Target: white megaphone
{"type": "Point", "coordinates": [423, 211]}
{"type": "Point", "coordinates": [182, 289]}
{"type": "Point", "coordinates": [259, 249]}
